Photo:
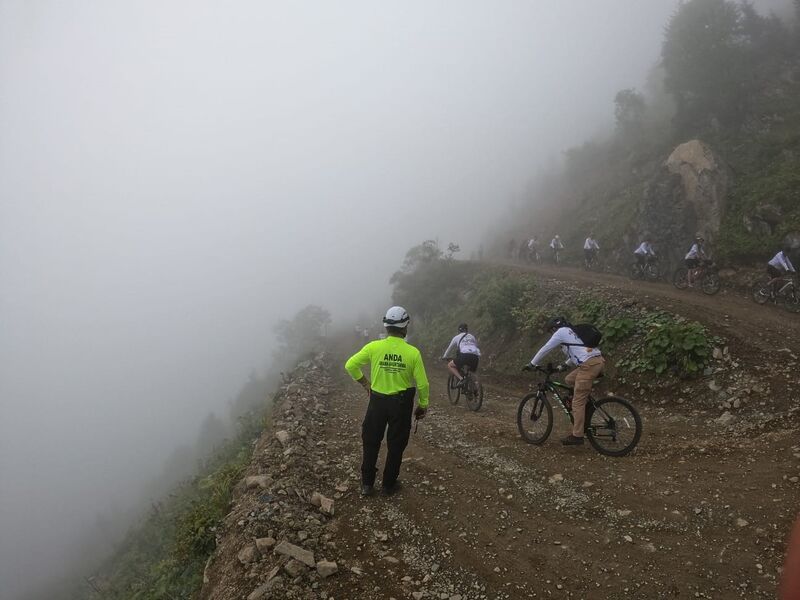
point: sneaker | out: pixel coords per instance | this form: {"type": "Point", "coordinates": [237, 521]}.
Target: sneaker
{"type": "Point", "coordinates": [367, 490]}
{"type": "Point", "coordinates": [572, 440]}
{"type": "Point", "coordinates": [393, 489]}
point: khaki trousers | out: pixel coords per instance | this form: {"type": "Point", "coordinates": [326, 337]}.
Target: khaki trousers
{"type": "Point", "coordinates": [581, 380]}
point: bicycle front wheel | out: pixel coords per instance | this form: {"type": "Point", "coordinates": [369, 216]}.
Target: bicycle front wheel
{"type": "Point", "coordinates": [453, 392]}
{"type": "Point", "coordinates": [635, 272]}
{"type": "Point", "coordinates": [710, 284]}
{"type": "Point", "coordinates": [474, 393]}
{"type": "Point", "coordinates": [792, 303]}
{"type": "Point", "coordinates": [613, 426]}
{"type": "Point", "coordinates": [761, 291]}
{"type": "Point", "coordinates": [680, 279]}
{"type": "Point", "coordinates": [535, 418]}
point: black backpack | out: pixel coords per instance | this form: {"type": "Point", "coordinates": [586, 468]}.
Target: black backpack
{"type": "Point", "coordinates": [589, 335]}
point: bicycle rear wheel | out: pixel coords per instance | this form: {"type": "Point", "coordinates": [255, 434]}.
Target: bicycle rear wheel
{"type": "Point", "coordinates": [792, 303]}
{"type": "Point", "coordinates": [652, 272]}
{"type": "Point", "coordinates": [473, 390]}
{"type": "Point", "coordinates": [680, 279]}
{"type": "Point", "coordinates": [613, 426]}
{"type": "Point", "coordinates": [710, 283]}
{"type": "Point", "coordinates": [535, 418]}
{"type": "Point", "coordinates": [453, 392]}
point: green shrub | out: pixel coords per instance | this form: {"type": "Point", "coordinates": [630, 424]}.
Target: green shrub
{"type": "Point", "coordinates": [670, 344]}
{"type": "Point", "coordinates": [503, 299]}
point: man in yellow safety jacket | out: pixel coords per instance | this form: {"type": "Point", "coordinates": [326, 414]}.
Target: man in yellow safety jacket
{"type": "Point", "coordinates": [393, 364]}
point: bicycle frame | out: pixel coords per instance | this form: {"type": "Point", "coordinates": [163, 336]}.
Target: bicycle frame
{"type": "Point", "coordinates": [553, 387]}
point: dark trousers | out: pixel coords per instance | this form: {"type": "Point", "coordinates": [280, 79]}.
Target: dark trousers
{"type": "Point", "coordinates": [390, 415]}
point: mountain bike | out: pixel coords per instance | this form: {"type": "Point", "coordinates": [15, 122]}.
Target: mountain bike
{"type": "Point", "coordinates": [788, 294]}
{"type": "Point", "coordinates": [470, 386]}
{"type": "Point", "coordinates": [533, 256]}
{"type": "Point", "coordinates": [613, 425]}
{"type": "Point", "coordinates": [647, 270]}
{"type": "Point", "coordinates": [706, 274]}
{"type": "Point", "coordinates": [590, 262]}
{"type": "Point", "coordinates": [556, 255]}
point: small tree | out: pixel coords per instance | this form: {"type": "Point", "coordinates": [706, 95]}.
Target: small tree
{"type": "Point", "coordinates": [452, 250]}
{"type": "Point", "coordinates": [629, 109]}
{"type": "Point", "coordinates": [704, 58]}
{"type": "Point", "coordinates": [304, 331]}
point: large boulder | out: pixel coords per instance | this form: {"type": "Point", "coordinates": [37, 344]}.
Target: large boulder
{"type": "Point", "coordinates": [686, 195]}
{"type": "Point", "coordinates": [705, 184]}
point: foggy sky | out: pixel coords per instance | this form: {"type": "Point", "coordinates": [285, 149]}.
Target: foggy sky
{"type": "Point", "coordinates": [176, 176]}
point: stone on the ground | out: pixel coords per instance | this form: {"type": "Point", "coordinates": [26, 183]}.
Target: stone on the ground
{"type": "Point", "coordinates": [327, 506]}
{"type": "Point", "coordinates": [740, 522]}
{"type": "Point", "coordinates": [257, 481]}
{"type": "Point", "coordinates": [304, 556]}
{"type": "Point", "coordinates": [265, 544]}
{"type": "Point", "coordinates": [316, 499]}
{"type": "Point", "coordinates": [283, 437]}
{"type": "Point", "coordinates": [247, 554]}
{"type": "Point", "coordinates": [260, 592]}
{"type": "Point", "coordinates": [294, 568]}
{"type": "Point", "coordinates": [326, 568]}
{"type": "Point", "coordinates": [725, 418]}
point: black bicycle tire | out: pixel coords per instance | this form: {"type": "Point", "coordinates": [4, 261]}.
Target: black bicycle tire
{"type": "Point", "coordinates": [475, 405]}
{"type": "Point", "coordinates": [452, 391]}
{"type": "Point", "coordinates": [792, 304]}
{"type": "Point", "coordinates": [548, 409]}
{"type": "Point", "coordinates": [596, 444]}
{"type": "Point", "coordinates": [715, 289]}
{"type": "Point", "coordinates": [683, 278]}
{"type": "Point", "coordinates": [759, 287]}
{"type": "Point", "coordinates": [652, 272]}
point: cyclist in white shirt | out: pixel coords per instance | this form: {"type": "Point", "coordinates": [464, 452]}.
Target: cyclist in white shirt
{"type": "Point", "coordinates": [533, 249]}
{"type": "Point", "coordinates": [778, 267]}
{"type": "Point", "coordinates": [695, 256]}
{"type": "Point", "coordinates": [590, 249]}
{"type": "Point", "coordinates": [644, 253]}
{"type": "Point", "coordinates": [467, 352]}
{"type": "Point", "coordinates": [556, 246]}
{"type": "Point", "coordinates": [589, 363]}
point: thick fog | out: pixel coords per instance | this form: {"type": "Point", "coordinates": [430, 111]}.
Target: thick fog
{"type": "Point", "coordinates": [177, 176]}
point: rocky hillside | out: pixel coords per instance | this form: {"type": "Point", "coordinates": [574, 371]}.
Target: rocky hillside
{"type": "Point", "coordinates": [711, 145]}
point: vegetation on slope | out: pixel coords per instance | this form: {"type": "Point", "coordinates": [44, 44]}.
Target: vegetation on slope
{"type": "Point", "coordinates": [509, 308]}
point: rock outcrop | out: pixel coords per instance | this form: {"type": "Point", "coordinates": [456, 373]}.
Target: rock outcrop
{"type": "Point", "coordinates": [688, 195]}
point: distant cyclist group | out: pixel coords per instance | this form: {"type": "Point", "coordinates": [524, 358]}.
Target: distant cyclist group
{"type": "Point", "coordinates": [697, 269]}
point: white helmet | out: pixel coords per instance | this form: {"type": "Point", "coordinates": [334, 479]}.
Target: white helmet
{"type": "Point", "coordinates": [396, 317]}
{"type": "Point", "coordinates": [557, 237]}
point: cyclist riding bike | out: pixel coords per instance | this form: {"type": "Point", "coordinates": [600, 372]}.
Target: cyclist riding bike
{"type": "Point", "coordinates": [778, 268]}
{"type": "Point", "coordinates": [589, 364]}
{"type": "Point", "coordinates": [467, 353]}
{"type": "Point", "coordinates": [590, 249]}
{"type": "Point", "coordinates": [556, 246]}
{"type": "Point", "coordinates": [694, 258]}
{"type": "Point", "coordinates": [533, 249]}
{"type": "Point", "coordinates": [644, 254]}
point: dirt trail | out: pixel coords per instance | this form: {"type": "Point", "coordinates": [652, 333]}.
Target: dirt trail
{"type": "Point", "coordinates": [696, 512]}
{"type": "Point", "coordinates": [767, 327]}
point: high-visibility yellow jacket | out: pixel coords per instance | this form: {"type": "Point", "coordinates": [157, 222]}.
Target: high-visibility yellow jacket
{"type": "Point", "coordinates": [393, 364]}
